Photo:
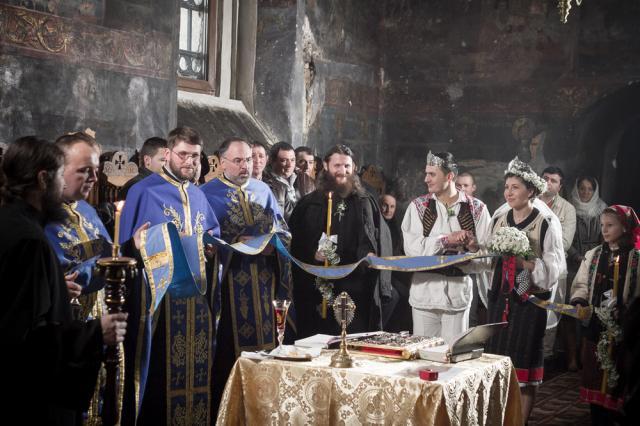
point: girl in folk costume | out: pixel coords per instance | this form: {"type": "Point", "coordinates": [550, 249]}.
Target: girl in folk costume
{"type": "Point", "coordinates": [522, 338]}
{"type": "Point", "coordinates": [608, 281]}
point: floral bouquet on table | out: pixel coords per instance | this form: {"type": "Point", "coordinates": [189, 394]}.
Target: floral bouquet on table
{"type": "Point", "coordinates": [510, 243]}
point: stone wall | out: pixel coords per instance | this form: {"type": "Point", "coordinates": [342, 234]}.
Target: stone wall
{"type": "Point", "coordinates": [484, 79]}
{"type": "Point", "coordinates": [317, 73]}
{"type": "Point", "coordinates": [108, 66]}
{"type": "Point", "coordinates": [278, 88]}
{"type": "Point", "coordinates": [488, 80]}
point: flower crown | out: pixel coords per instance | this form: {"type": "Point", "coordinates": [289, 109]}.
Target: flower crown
{"type": "Point", "coordinates": [523, 170]}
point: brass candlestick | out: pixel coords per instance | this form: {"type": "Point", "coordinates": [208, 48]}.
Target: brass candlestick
{"type": "Point", "coordinates": [344, 310]}
{"type": "Point", "coordinates": [116, 270]}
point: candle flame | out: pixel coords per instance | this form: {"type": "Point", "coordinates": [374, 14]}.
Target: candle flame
{"type": "Point", "coordinates": [119, 205]}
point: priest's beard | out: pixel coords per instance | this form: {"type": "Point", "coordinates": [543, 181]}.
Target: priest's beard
{"type": "Point", "coordinates": [182, 172]}
{"type": "Point", "coordinates": [327, 182]}
{"type": "Point", "coordinates": [52, 210]}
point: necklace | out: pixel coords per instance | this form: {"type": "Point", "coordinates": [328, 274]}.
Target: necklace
{"type": "Point", "coordinates": [449, 204]}
{"type": "Point", "coordinates": [450, 211]}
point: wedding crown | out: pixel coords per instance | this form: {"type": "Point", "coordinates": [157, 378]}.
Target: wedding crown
{"type": "Point", "coordinates": [434, 160]}
{"type": "Point", "coordinates": [523, 170]}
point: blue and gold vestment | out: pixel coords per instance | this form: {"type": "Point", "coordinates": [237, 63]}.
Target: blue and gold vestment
{"type": "Point", "coordinates": [175, 388]}
{"type": "Point", "coordinates": [252, 282]}
{"type": "Point", "coordinates": [81, 236]}
{"type": "Point", "coordinates": [78, 241]}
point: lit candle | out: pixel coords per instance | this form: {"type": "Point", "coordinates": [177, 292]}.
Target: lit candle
{"type": "Point", "coordinates": [616, 276]}
{"type": "Point", "coordinates": [116, 234]}
{"type": "Point", "coordinates": [326, 261]}
{"type": "Point", "coordinates": [329, 207]}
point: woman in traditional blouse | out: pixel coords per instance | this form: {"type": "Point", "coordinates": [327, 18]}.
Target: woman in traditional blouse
{"type": "Point", "coordinates": [522, 338]}
{"type": "Point", "coordinates": [594, 285]}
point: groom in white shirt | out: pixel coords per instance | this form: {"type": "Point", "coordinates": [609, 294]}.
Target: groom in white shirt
{"type": "Point", "coordinates": [444, 221]}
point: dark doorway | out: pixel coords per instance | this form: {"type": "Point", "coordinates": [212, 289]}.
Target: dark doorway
{"type": "Point", "coordinates": [608, 145]}
{"type": "Point", "coordinates": [627, 186]}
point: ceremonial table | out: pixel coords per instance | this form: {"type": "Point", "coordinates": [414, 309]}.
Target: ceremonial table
{"type": "Point", "coordinates": [483, 391]}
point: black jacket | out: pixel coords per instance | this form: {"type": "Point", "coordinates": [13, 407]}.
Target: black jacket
{"type": "Point", "coordinates": [362, 231]}
{"type": "Point", "coordinates": [48, 363]}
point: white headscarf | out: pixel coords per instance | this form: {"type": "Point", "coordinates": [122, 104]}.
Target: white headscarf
{"type": "Point", "coordinates": [591, 208]}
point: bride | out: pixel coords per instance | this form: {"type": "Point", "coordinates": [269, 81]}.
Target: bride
{"type": "Point", "coordinates": [522, 338]}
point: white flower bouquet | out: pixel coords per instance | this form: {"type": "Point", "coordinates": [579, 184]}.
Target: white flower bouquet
{"type": "Point", "coordinates": [510, 241]}
{"type": "Point", "coordinates": [609, 337]}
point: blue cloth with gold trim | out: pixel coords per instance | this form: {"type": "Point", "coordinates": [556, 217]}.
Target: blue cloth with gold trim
{"type": "Point", "coordinates": [171, 383]}
{"type": "Point", "coordinates": [78, 241]}
{"type": "Point", "coordinates": [393, 263]}
{"type": "Point", "coordinates": [173, 262]}
{"type": "Point", "coordinates": [252, 280]}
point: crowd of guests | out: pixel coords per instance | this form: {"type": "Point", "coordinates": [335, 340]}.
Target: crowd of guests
{"type": "Point", "coordinates": [584, 253]}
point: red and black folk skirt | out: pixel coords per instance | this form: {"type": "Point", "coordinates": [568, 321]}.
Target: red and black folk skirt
{"type": "Point", "coordinates": [522, 339]}
{"type": "Point", "coordinates": [592, 375]}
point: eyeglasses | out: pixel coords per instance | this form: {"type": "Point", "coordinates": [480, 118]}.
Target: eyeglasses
{"type": "Point", "coordinates": [185, 155]}
{"type": "Point", "coordinates": [238, 161]}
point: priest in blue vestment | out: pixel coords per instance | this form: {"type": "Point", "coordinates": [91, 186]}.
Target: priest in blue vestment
{"type": "Point", "coordinates": [176, 388]}
{"type": "Point", "coordinates": [80, 238]}
{"type": "Point", "coordinates": [246, 208]}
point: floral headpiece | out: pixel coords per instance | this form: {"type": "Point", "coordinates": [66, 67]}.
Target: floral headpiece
{"type": "Point", "coordinates": [523, 170]}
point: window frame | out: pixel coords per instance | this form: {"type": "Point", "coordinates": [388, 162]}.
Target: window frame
{"type": "Point", "coordinates": [211, 85]}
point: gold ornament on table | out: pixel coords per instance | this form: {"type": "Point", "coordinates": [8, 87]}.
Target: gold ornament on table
{"type": "Point", "coordinates": [344, 310]}
{"type": "Point", "coordinates": [116, 270]}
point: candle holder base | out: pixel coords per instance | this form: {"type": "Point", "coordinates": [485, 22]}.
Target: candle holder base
{"type": "Point", "coordinates": [341, 359]}
{"type": "Point", "coordinates": [343, 309]}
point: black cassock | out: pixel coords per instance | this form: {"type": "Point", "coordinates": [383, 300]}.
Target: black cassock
{"type": "Point", "coordinates": [361, 230]}
{"type": "Point", "coordinates": [48, 362]}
